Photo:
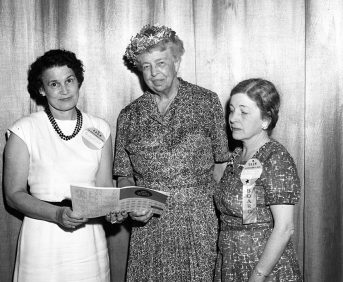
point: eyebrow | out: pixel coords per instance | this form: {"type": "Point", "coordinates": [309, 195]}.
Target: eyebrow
{"type": "Point", "coordinates": [157, 60]}
{"type": "Point", "coordinates": [55, 80]}
{"type": "Point", "coordinates": [244, 106]}
{"type": "Point", "coordinates": [241, 106]}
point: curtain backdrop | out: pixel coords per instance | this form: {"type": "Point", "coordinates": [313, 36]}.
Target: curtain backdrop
{"type": "Point", "coordinates": [298, 45]}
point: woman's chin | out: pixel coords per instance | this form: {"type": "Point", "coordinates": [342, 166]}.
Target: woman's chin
{"type": "Point", "coordinates": [237, 136]}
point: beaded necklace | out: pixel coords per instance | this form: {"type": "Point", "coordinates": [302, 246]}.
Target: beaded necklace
{"type": "Point", "coordinates": [59, 131]}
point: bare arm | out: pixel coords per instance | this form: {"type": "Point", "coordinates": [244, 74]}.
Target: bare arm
{"type": "Point", "coordinates": [16, 171]}
{"type": "Point", "coordinates": [276, 244]}
{"type": "Point", "coordinates": [104, 174]}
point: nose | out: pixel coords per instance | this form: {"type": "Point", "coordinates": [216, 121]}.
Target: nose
{"type": "Point", "coordinates": [233, 116]}
{"type": "Point", "coordinates": [64, 89]}
{"type": "Point", "coordinates": [153, 70]}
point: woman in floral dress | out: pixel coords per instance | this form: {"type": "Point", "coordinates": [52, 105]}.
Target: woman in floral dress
{"type": "Point", "coordinates": [257, 193]}
{"type": "Point", "coordinates": [169, 139]}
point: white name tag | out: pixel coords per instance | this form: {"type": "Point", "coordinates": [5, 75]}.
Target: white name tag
{"type": "Point", "coordinates": [93, 138]}
{"type": "Point", "coordinates": [250, 173]}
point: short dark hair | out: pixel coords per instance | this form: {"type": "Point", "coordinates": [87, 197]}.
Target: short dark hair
{"type": "Point", "coordinates": [264, 93]}
{"type": "Point", "coordinates": [52, 58]}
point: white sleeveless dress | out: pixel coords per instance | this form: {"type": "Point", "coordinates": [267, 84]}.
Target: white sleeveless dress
{"type": "Point", "coordinates": [45, 251]}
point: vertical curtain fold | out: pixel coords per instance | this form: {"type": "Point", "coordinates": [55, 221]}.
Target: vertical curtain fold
{"type": "Point", "coordinates": [323, 148]}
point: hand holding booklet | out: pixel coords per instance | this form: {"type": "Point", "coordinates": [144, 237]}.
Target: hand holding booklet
{"type": "Point", "coordinates": [91, 201]}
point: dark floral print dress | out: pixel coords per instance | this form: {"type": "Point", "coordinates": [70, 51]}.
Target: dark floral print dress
{"type": "Point", "coordinates": [241, 245]}
{"type": "Point", "coordinates": [174, 153]}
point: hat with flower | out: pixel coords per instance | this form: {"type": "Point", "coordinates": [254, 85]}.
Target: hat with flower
{"type": "Point", "coordinates": [148, 37]}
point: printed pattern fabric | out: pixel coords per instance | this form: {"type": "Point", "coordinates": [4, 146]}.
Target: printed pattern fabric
{"type": "Point", "coordinates": [240, 246]}
{"type": "Point", "coordinates": [174, 153]}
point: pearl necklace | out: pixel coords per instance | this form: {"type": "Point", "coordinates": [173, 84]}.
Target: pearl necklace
{"type": "Point", "coordinates": [59, 131]}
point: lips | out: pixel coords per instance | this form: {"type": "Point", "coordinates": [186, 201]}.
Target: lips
{"type": "Point", "coordinates": [235, 129]}
{"type": "Point", "coordinates": [66, 99]}
{"type": "Point", "coordinates": [157, 81]}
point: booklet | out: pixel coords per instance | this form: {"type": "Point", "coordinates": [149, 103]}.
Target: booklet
{"type": "Point", "coordinates": [91, 201]}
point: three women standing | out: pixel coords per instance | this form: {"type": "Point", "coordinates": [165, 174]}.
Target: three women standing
{"type": "Point", "coordinates": [168, 139]}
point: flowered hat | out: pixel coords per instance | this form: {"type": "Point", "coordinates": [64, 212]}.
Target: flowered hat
{"type": "Point", "coordinates": [148, 37]}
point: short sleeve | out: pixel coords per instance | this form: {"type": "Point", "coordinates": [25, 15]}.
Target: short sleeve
{"type": "Point", "coordinates": [105, 128]}
{"type": "Point", "coordinates": [282, 184]}
{"type": "Point", "coordinates": [21, 128]}
{"type": "Point", "coordinates": [218, 133]}
{"type": "Point", "coordinates": [122, 165]}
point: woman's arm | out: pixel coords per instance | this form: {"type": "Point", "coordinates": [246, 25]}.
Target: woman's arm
{"type": "Point", "coordinates": [276, 244]}
{"type": "Point", "coordinates": [16, 171]}
{"type": "Point", "coordinates": [104, 174]}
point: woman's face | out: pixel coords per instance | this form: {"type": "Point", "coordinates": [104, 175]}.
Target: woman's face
{"type": "Point", "coordinates": [159, 70]}
{"type": "Point", "coordinates": [245, 118]}
{"type": "Point", "coordinates": [60, 87]}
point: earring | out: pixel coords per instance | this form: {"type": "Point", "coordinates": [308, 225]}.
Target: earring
{"type": "Point", "coordinates": [264, 126]}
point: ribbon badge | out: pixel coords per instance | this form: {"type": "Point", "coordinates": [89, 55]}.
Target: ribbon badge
{"type": "Point", "coordinates": [251, 172]}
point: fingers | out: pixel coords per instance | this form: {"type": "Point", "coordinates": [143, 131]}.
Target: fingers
{"type": "Point", "coordinates": [67, 219]}
{"type": "Point", "coordinates": [116, 216]}
{"type": "Point", "coordinates": [142, 215]}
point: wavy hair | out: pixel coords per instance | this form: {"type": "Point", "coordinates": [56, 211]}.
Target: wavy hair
{"type": "Point", "coordinates": [52, 58]}
{"type": "Point", "coordinates": [264, 93]}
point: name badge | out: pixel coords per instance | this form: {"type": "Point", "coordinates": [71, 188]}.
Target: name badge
{"type": "Point", "coordinates": [251, 172]}
{"type": "Point", "coordinates": [93, 138]}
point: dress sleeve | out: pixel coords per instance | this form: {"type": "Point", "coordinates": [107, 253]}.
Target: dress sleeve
{"type": "Point", "coordinates": [282, 180]}
{"type": "Point", "coordinates": [218, 133]}
{"type": "Point", "coordinates": [122, 165]}
{"type": "Point", "coordinates": [21, 128]}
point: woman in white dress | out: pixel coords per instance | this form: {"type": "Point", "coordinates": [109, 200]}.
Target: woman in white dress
{"type": "Point", "coordinates": [45, 153]}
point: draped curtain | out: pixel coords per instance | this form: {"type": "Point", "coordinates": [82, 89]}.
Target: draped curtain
{"type": "Point", "coordinates": [298, 45]}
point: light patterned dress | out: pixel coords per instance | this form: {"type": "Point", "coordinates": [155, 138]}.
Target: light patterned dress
{"type": "Point", "coordinates": [241, 245]}
{"type": "Point", "coordinates": [174, 153]}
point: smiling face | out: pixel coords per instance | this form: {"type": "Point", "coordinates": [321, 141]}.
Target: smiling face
{"type": "Point", "coordinates": [245, 118]}
{"type": "Point", "coordinates": [61, 88]}
{"type": "Point", "coordinates": [159, 70]}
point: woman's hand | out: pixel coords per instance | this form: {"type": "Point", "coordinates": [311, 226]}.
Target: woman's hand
{"type": "Point", "coordinates": [116, 216]}
{"type": "Point", "coordinates": [141, 215]}
{"type": "Point", "coordinates": [257, 278]}
{"type": "Point", "coordinates": [69, 219]}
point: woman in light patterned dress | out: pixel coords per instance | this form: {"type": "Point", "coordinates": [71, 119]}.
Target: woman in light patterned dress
{"type": "Point", "coordinates": [257, 193]}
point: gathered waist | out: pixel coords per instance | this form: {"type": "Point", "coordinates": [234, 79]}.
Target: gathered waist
{"type": "Point", "coordinates": [191, 197]}
{"type": "Point", "coordinates": [178, 183]}
{"type": "Point", "coordinates": [224, 226]}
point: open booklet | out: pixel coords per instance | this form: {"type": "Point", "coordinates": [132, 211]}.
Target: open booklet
{"type": "Point", "coordinates": [91, 201]}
